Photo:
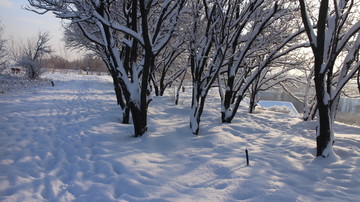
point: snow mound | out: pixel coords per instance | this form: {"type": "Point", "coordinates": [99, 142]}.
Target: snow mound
{"type": "Point", "coordinates": [278, 106]}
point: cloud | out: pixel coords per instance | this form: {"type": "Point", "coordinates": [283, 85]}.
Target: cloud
{"type": "Point", "coordinates": [6, 3]}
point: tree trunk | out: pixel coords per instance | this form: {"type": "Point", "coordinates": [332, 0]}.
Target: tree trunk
{"type": "Point", "coordinates": [358, 80]}
{"type": "Point", "coordinates": [139, 110]}
{"type": "Point", "coordinates": [139, 116]}
{"type": "Point", "coordinates": [162, 88]}
{"type": "Point", "coordinates": [310, 111]}
{"type": "Point", "coordinates": [197, 112]}
{"type": "Point", "coordinates": [126, 115]}
{"type": "Point", "coordinates": [253, 102]}
{"type": "Point", "coordinates": [155, 85]}
{"type": "Point", "coordinates": [227, 100]}
{"type": "Point", "coordinates": [162, 80]}
{"type": "Point", "coordinates": [120, 97]}
{"type": "Point", "coordinates": [324, 134]}
{"type": "Point", "coordinates": [323, 140]}
{"type": "Point", "coordinates": [124, 105]}
{"type": "Point", "coordinates": [178, 89]}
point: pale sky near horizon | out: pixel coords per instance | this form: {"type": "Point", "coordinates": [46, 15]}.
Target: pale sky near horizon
{"type": "Point", "coordinates": [21, 25]}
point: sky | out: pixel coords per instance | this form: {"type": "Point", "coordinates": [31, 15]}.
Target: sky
{"type": "Point", "coordinates": [21, 25]}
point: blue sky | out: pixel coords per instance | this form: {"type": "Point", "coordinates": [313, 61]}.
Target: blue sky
{"type": "Point", "coordinates": [21, 24]}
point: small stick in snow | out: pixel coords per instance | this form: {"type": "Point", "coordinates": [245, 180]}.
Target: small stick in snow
{"type": "Point", "coordinates": [52, 83]}
{"type": "Point", "coordinates": [247, 157]}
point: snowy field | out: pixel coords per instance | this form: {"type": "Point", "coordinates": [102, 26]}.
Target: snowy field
{"type": "Point", "coordinates": [66, 143]}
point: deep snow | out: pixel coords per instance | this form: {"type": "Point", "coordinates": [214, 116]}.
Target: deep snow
{"type": "Point", "coordinates": [66, 143]}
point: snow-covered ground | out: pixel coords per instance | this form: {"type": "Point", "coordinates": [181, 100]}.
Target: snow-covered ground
{"type": "Point", "coordinates": [66, 143]}
{"type": "Point", "coordinates": [18, 83]}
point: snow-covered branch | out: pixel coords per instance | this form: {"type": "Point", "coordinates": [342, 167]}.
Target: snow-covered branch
{"type": "Point", "coordinates": [307, 24]}
{"type": "Point", "coordinates": [348, 69]}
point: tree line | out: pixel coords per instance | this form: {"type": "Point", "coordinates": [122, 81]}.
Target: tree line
{"type": "Point", "coordinates": [88, 63]}
{"type": "Point", "coordinates": [240, 45]}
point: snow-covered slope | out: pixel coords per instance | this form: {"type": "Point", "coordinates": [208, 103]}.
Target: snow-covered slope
{"type": "Point", "coordinates": [66, 143]}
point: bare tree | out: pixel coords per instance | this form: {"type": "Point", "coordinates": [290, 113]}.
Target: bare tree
{"type": "Point", "coordinates": [32, 55]}
{"type": "Point", "coordinates": [207, 47]}
{"type": "Point", "coordinates": [3, 51]}
{"type": "Point", "coordinates": [335, 43]}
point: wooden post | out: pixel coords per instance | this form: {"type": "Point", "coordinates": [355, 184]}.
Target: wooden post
{"type": "Point", "coordinates": [247, 156]}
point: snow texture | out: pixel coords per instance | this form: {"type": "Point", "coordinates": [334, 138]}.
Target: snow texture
{"type": "Point", "coordinates": [66, 143]}
{"type": "Point", "coordinates": [18, 83]}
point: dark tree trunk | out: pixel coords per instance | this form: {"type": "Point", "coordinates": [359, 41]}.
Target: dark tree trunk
{"type": "Point", "coordinates": [118, 91]}
{"type": "Point", "coordinates": [123, 104]}
{"type": "Point", "coordinates": [126, 115]}
{"type": "Point", "coordinates": [179, 87]}
{"type": "Point", "coordinates": [324, 128]}
{"type": "Point", "coordinates": [120, 98]}
{"type": "Point", "coordinates": [118, 94]}
{"type": "Point", "coordinates": [253, 102]}
{"type": "Point", "coordinates": [139, 117]}
{"type": "Point", "coordinates": [358, 80]}
{"type": "Point", "coordinates": [162, 80]}
{"type": "Point", "coordinates": [324, 134]}
{"type": "Point", "coordinates": [162, 88]}
{"type": "Point", "coordinates": [321, 72]}
{"type": "Point", "coordinates": [139, 110]}
{"type": "Point", "coordinates": [155, 85]}
{"type": "Point", "coordinates": [311, 112]}
{"type": "Point", "coordinates": [198, 110]}
{"type": "Point", "coordinates": [229, 93]}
